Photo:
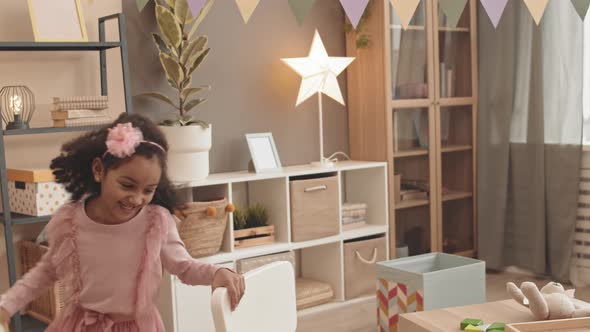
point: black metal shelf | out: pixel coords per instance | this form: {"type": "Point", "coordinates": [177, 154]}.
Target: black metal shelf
{"type": "Point", "coordinates": [61, 46]}
{"type": "Point", "coordinates": [21, 219]}
{"type": "Point", "coordinates": [46, 130]}
{"type": "Point", "coordinates": [24, 322]}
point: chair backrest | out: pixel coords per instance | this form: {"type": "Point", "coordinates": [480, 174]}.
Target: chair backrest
{"type": "Point", "coordinates": [268, 305]}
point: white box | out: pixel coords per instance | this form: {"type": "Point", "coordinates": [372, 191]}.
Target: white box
{"type": "Point", "coordinates": [427, 282]}
{"type": "Point", "coordinates": [34, 192]}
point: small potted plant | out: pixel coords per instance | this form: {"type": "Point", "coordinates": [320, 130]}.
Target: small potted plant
{"type": "Point", "coordinates": [251, 227]}
{"type": "Point", "coordinates": [181, 51]}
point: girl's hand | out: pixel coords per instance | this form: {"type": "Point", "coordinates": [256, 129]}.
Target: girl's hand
{"type": "Point", "coordinates": [234, 283]}
{"type": "Point", "coordinates": [4, 319]}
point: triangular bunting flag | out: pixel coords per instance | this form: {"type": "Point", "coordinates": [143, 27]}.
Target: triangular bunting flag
{"type": "Point", "coordinates": [495, 8]}
{"type": "Point", "coordinates": [247, 7]}
{"type": "Point", "coordinates": [453, 9]}
{"type": "Point", "coordinates": [581, 7]}
{"type": "Point", "coordinates": [141, 4]}
{"type": "Point", "coordinates": [301, 8]}
{"type": "Point", "coordinates": [354, 9]}
{"type": "Point", "coordinates": [196, 6]}
{"type": "Point", "coordinates": [537, 8]}
{"type": "Point", "coordinates": [405, 10]}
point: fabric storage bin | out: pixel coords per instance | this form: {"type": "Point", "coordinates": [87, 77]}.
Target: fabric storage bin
{"type": "Point", "coordinates": [426, 282]}
{"type": "Point", "coordinates": [360, 261]}
{"type": "Point", "coordinates": [34, 192]}
{"type": "Point", "coordinates": [248, 264]}
{"type": "Point", "coordinates": [51, 302]}
{"type": "Point", "coordinates": [314, 208]}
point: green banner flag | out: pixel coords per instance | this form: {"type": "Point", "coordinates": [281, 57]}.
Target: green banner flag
{"type": "Point", "coordinates": [581, 7]}
{"type": "Point", "coordinates": [141, 4]}
{"type": "Point", "coordinates": [453, 9]}
{"type": "Point", "coordinates": [301, 8]}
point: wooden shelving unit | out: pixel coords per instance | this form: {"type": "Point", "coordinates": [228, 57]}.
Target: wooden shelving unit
{"type": "Point", "coordinates": [412, 101]}
{"type": "Point", "coordinates": [184, 307]}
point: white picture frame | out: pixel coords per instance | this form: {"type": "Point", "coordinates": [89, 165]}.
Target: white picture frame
{"type": "Point", "coordinates": [57, 21]}
{"type": "Point", "coordinates": [263, 152]}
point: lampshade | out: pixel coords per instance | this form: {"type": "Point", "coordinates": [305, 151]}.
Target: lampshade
{"type": "Point", "coordinates": [319, 72]}
{"type": "Point", "coordinates": [17, 105]}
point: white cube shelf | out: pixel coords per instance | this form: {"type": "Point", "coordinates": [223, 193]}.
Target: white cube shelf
{"type": "Point", "coordinates": [319, 258]}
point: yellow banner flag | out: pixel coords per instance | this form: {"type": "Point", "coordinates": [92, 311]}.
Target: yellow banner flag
{"type": "Point", "coordinates": [537, 8]}
{"type": "Point", "coordinates": [405, 10]}
{"type": "Point", "coordinates": [247, 7]}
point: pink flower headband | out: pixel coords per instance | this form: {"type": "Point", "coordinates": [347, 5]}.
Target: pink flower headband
{"type": "Point", "coordinates": [123, 139]}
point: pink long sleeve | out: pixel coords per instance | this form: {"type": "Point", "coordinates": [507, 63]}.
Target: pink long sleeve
{"type": "Point", "coordinates": [31, 286]}
{"type": "Point", "coordinates": [177, 260]}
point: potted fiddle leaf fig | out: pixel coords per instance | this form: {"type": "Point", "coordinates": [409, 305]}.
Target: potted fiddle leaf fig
{"type": "Point", "coordinates": [181, 51]}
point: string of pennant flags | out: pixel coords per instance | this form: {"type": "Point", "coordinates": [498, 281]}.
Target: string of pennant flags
{"type": "Point", "coordinates": [405, 9]}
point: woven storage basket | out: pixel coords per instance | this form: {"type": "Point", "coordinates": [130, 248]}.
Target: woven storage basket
{"type": "Point", "coordinates": [46, 307]}
{"type": "Point", "coordinates": [201, 233]}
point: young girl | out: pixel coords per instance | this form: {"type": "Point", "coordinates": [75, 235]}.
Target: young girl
{"type": "Point", "coordinates": [110, 243]}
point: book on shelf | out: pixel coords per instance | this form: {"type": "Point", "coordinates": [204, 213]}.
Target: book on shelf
{"type": "Point", "coordinates": [417, 184]}
{"type": "Point", "coordinates": [347, 227]}
{"type": "Point", "coordinates": [353, 206]}
{"type": "Point", "coordinates": [450, 83]}
{"type": "Point", "coordinates": [413, 195]}
{"type": "Point", "coordinates": [81, 102]}
{"type": "Point", "coordinates": [77, 114]}
{"type": "Point", "coordinates": [354, 213]}
{"type": "Point", "coordinates": [350, 220]}
{"type": "Point", "coordinates": [81, 122]}
{"type": "Point", "coordinates": [447, 80]}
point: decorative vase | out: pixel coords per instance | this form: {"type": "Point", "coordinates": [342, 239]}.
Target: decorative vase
{"type": "Point", "coordinates": [188, 154]}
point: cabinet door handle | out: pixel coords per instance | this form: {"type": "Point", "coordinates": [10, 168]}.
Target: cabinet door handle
{"type": "Point", "coordinates": [372, 261]}
{"type": "Point", "coordinates": [316, 188]}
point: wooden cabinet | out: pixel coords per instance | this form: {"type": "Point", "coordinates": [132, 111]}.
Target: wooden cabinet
{"type": "Point", "coordinates": [412, 101]}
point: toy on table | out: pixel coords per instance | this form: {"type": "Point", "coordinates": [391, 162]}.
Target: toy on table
{"type": "Point", "coordinates": [477, 325]}
{"type": "Point", "coordinates": [551, 302]}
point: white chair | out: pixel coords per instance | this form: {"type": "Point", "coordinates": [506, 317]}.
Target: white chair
{"type": "Point", "coordinates": [268, 305]}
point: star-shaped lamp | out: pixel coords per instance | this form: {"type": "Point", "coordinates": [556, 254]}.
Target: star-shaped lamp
{"type": "Point", "coordinates": [318, 72]}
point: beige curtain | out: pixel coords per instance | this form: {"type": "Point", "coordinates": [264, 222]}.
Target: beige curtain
{"type": "Point", "coordinates": [530, 133]}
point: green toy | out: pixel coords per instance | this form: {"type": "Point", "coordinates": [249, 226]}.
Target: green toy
{"type": "Point", "coordinates": [470, 321]}
{"type": "Point", "coordinates": [497, 327]}
{"type": "Point", "coordinates": [471, 328]}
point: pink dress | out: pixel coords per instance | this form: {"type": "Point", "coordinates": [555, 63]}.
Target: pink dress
{"type": "Point", "coordinates": [113, 272]}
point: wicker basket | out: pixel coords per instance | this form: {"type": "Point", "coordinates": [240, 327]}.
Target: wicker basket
{"type": "Point", "coordinates": [46, 307]}
{"type": "Point", "coordinates": [202, 226]}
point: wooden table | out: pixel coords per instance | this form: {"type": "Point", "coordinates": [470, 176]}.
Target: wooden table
{"type": "Point", "coordinates": [448, 320]}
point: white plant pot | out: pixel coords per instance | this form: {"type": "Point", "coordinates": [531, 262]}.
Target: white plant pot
{"type": "Point", "coordinates": [188, 154]}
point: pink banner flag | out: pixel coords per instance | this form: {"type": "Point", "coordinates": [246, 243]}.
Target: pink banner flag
{"type": "Point", "coordinates": [494, 8]}
{"type": "Point", "coordinates": [354, 9]}
{"type": "Point", "coordinates": [196, 6]}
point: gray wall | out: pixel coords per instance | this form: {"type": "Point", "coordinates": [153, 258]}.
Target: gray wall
{"type": "Point", "coordinates": [252, 90]}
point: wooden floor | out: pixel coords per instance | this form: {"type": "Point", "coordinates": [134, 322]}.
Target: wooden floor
{"type": "Point", "coordinates": [362, 317]}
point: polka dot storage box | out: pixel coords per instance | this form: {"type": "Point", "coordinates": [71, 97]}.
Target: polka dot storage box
{"type": "Point", "coordinates": [34, 192]}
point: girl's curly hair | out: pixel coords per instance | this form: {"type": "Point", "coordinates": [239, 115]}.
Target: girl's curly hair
{"type": "Point", "coordinates": [73, 167]}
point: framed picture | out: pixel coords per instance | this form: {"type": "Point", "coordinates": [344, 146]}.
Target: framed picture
{"type": "Point", "coordinates": [263, 152]}
{"type": "Point", "coordinates": [57, 21]}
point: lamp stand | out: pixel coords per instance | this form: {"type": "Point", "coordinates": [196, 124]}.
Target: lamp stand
{"type": "Point", "coordinates": [18, 123]}
{"type": "Point", "coordinates": [324, 162]}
